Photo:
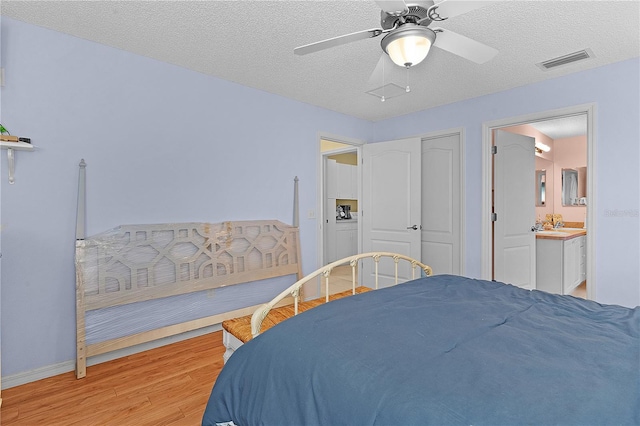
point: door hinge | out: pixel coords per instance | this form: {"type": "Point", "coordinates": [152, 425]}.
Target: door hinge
{"type": "Point", "coordinates": [494, 149]}
{"type": "Point", "coordinates": [494, 217]}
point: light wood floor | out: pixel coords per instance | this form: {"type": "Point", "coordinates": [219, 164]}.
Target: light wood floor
{"type": "Point", "coordinates": [580, 291]}
{"type": "Point", "coordinates": [339, 280]}
{"type": "Point", "coordinates": [164, 386]}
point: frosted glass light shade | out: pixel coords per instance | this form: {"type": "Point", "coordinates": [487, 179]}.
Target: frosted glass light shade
{"type": "Point", "coordinates": [542, 147]}
{"type": "Point", "coordinates": [408, 45]}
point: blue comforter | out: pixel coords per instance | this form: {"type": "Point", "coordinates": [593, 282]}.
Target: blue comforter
{"type": "Point", "coordinates": [439, 350]}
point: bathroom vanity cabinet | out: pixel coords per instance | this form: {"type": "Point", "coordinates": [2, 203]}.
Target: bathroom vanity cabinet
{"type": "Point", "coordinates": [560, 262]}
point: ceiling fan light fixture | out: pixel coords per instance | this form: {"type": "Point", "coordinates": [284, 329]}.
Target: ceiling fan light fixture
{"type": "Point", "coordinates": [408, 45]}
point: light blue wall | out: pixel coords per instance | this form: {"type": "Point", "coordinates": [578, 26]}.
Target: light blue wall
{"type": "Point", "coordinates": [166, 144]}
{"type": "Point", "coordinates": [2, 171]}
{"type": "Point", "coordinates": [162, 144]}
{"type": "Point", "coordinates": [615, 89]}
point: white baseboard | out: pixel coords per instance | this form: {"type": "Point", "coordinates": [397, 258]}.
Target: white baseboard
{"type": "Point", "coordinates": [37, 374]}
{"type": "Point", "coordinates": [66, 366]}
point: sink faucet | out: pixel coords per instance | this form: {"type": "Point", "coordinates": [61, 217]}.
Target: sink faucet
{"type": "Point", "coordinates": [558, 225]}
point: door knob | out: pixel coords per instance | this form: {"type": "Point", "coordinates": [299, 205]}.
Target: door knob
{"type": "Point", "coordinates": [414, 227]}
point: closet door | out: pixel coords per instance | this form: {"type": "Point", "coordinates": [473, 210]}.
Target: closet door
{"type": "Point", "coordinates": [442, 203]}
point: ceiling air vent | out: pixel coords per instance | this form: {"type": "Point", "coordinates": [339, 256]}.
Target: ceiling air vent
{"type": "Point", "coordinates": [566, 59]}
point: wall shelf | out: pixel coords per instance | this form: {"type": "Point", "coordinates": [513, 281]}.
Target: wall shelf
{"type": "Point", "coordinates": [10, 147]}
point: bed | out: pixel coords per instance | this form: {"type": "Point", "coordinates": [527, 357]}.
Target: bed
{"type": "Point", "coordinates": [441, 349]}
{"type": "Point", "coordinates": [238, 331]}
{"type": "Point", "coordinates": [139, 284]}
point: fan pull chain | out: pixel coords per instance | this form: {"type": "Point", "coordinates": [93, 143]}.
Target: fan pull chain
{"type": "Point", "coordinates": [382, 99]}
{"type": "Point", "coordinates": [408, 89]}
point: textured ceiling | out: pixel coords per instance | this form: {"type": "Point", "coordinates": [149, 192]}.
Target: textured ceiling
{"type": "Point", "coordinates": [252, 42]}
{"type": "Point", "coordinates": [565, 127]}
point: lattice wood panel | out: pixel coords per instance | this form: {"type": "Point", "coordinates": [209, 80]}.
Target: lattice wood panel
{"type": "Point", "coordinates": [133, 263]}
{"type": "Point", "coordinates": [136, 263]}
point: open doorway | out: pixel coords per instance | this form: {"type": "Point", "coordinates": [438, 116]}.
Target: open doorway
{"type": "Point", "coordinates": [339, 199]}
{"type": "Point", "coordinates": [559, 202]}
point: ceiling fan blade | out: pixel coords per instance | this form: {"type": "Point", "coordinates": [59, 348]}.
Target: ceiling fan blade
{"type": "Point", "coordinates": [463, 46]}
{"type": "Point", "coordinates": [450, 8]}
{"type": "Point", "coordinates": [336, 41]}
{"type": "Point", "coordinates": [393, 7]}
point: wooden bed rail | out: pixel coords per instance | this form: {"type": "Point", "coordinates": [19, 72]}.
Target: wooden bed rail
{"type": "Point", "coordinates": [294, 290]}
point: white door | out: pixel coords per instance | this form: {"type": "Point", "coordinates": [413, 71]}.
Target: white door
{"type": "Point", "coordinates": [391, 197]}
{"type": "Point", "coordinates": [514, 206]}
{"type": "Point", "coordinates": [441, 204]}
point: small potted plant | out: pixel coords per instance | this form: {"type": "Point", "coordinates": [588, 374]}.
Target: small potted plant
{"type": "Point", "coordinates": [6, 136]}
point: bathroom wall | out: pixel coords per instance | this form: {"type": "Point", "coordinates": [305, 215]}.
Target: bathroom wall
{"type": "Point", "coordinates": [544, 160]}
{"type": "Point", "coordinates": [568, 153]}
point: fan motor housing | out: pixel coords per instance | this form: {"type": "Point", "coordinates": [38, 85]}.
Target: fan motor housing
{"type": "Point", "coordinates": [416, 12]}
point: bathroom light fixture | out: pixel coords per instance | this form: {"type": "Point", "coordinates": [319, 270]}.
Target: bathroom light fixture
{"type": "Point", "coordinates": [408, 45]}
{"type": "Point", "coordinates": [540, 147]}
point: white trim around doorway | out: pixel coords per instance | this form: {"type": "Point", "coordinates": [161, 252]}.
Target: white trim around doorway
{"type": "Point", "coordinates": [356, 145]}
{"type": "Point", "coordinates": [487, 181]}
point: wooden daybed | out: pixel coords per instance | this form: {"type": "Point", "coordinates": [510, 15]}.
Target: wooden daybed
{"type": "Point", "coordinates": [139, 283]}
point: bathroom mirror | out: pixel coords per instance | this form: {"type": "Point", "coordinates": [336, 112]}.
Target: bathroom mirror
{"type": "Point", "coordinates": [541, 188]}
{"type": "Point", "coordinates": [574, 186]}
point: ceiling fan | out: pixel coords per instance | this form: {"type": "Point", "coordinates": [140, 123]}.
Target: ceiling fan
{"type": "Point", "coordinates": [408, 36]}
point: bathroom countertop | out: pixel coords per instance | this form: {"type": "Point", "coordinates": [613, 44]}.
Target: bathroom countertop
{"type": "Point", "coordinates": [561, 234]}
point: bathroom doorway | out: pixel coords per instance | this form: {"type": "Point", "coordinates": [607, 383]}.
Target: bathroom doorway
{"type": "Point", "coordinates": [564, 141]}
